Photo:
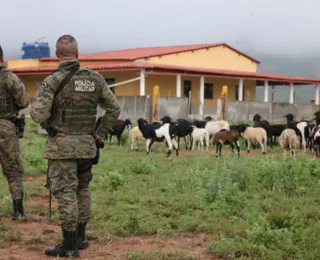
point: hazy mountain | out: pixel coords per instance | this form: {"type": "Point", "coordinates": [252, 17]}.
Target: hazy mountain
{"type": "Point", "coordinates": [305, 66]}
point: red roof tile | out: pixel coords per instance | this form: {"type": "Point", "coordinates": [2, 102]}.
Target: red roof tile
{"type": "Point", "coordinates": [158, 68]}
{"type": "Point", "coordinates": [140, 53]}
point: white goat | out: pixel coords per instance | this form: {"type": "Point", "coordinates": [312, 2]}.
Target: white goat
{"type": "Point", "coordinates": [200, 134]}
{"type": "Point", "coordinates": [289, 141]}
{"type": "Point", "coordinates": [214, 127]}
{"type": "Point", "coordinates": [254, 134]}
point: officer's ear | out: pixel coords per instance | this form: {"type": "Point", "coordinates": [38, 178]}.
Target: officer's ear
{"type": "Point", "coordinates": [77, 53]}
{"type": "Point", "coordinates": [57, 54]}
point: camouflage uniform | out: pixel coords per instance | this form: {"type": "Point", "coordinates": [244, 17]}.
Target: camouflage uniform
{"type": "Point", "coordinates": [13, 98]}
{"type": "Point", "coordinates": [73, 114]}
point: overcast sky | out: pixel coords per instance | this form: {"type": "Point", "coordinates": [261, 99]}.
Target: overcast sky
{"type": "Point", "coordinates": [277, 26]}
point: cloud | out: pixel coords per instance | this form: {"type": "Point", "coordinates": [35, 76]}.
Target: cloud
{"type": "Point", "coordinates": [286, 27]}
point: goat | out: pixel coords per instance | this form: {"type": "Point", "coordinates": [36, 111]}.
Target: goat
{"type": "Point", "coordinates": [135, 135]}
{"type": "Point", "coordinates": [312, 130]}
{"type": "Point", "coordinates": [227, 137]}
{"type": "Point", "coordinates": [200, 124]}
{"type": "Point", "coordinates": [265, 125]}
{"type": "Point", "coordinates": [238, 128]}
{"type": "Point", "coordinates": [214, 127]}
{"type": "Point", "coordinates": [316, 140]}
{"type": "Point", "coordinates": [158, 132]}
{"type": "Point", "coordinates": [289, 141]}
{"type": "Point", "coordinates": [184, 130]}
{"type": "Point", "coordinates": [301, 129]}
{"type": "Point", "coordinates": [276, 131]}
{"type": "Point", "coordinates": [118, 129]}
{"type": "Point", "coordinates": [255, 134]}
{"type": "Point", "coordinates": [200, 134]}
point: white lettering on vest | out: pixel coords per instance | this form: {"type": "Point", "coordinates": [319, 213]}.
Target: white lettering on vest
{"type": "Point", "coordinates": [84, 86]}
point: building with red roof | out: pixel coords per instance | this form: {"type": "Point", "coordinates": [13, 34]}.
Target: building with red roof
{"type": "Point", "coordinates": [195, 71]}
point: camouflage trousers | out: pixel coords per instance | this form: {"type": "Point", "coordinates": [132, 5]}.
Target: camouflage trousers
{"type": "Point", "coordinates": [71, 189]}
{"type": "Point", "coordinates": [12, 163]}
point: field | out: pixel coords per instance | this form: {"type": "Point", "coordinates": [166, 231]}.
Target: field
{"type": "Point", "coordinates": [194, 206]}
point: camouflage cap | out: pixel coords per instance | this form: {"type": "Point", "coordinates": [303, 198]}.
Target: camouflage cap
{"type": "Point", "coordinates": [67, 46]}
{"type": "Point", "coordinates": [1, 52]}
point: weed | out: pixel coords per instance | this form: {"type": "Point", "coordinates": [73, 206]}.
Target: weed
{"type": "Point", "coordinates": [143, 167]}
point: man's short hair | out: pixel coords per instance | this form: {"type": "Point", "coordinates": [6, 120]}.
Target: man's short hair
{"type": "Point", "coordinates": [67, 46]}
{"type": "Point", "coordinates": [1, 53]}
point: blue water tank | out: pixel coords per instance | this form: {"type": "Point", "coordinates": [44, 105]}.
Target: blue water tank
{"type": "Point", "coordinates": [35, 50]}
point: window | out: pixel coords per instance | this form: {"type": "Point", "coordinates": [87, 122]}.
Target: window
{"type": "Point", "coordinates": [208, 90]}
{"type": "Point", "coordinates": [237, 92]}
{"type": "Point", "coordinates": [111, 81]}
{"type": "Point", "coordinates": [187, 88]}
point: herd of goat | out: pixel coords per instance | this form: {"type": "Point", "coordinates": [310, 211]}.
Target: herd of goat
{"type": "Point", "coordinates": [291, 136]}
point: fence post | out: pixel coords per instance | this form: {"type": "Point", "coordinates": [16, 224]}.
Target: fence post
{"type": "Point", "coordinates": [224, 98]}
{"type": "Point", "coordinates": [155, 102]}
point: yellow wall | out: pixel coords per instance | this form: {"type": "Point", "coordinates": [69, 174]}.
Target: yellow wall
{"type": "Point", "coordinates": [22, 63]}
{"type": "Point", "coordinates": [212, 58]}
{"type": "Point", "coordinates": [32, 82]}
{"type": "Point", "coordinates": [167, 84]}
{"type": "Point", "coordinates": [129, 89]}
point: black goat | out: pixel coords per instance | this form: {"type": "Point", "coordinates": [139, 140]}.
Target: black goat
{"type": "Point", "coordinates": [239, 128]}
{"type": "Point", "coordinates": [265, 125]}
{"type": "Point", "coordinates": [118, 129]}
{"type": "Point", "coordinates": [312, 131]}
{"type": "Point", "coordinates": [200, 124]}
{"type": "Point", "coordinates": [158, 132]}
{"type": "Point", "coordinates": [184, 128]}
{"type": "Point", "coordinates": [276, 131]}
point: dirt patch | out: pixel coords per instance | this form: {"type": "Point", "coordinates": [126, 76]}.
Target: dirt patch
{"type": "Point", "coordinates": [253, 153]}
{"type": "Point", "coordinates": [36, 237]}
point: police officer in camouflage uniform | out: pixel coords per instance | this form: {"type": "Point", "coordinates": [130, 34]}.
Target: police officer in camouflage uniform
{"type": "Point", "coordinates": [72, 115]}
{"type": "Point", "coordinates": [13, 98]}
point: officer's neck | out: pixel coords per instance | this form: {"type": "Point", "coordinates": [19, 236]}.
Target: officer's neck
{"type": "Point", "coordinates": [68, 59]}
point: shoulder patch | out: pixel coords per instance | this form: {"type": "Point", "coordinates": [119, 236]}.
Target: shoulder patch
{"type": "Point", "coordinates": [40, 92]}
{"type": "Point", "coordinates": [85, 85]}
{"type": "Point", "coordinates": [44, 84]}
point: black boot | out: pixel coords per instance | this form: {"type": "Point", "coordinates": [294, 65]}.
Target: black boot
{"type": "Point", "coordinates": [82, 242]}
{"type": "Point", "coordinates": [21, 209]}
{"type": "Point", "coordinates": [67, 248]}
{"type": "Point", "coordinates": [16, 213]}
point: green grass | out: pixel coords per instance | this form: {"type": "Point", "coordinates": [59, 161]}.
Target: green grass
{"type": "Point", "coordinates": [251, 207]}
{"type": "Point", "coordinates": [175, 255]}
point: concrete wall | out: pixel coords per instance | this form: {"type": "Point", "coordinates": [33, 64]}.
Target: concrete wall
{"type": "Point", "coordinates": [306, 111]}
{"type": "Point", "coordinates": [279, 110]}
{"type": "Point", "coordinates": [273, 112]}
{"type": "Point", "coordinates": [141, 107]}
{"type": "Point", "coordinates": [133, 108]}
{"type": "Point", "coordinates": [239, 110]}
{"type": "Point", "coordinates": [174, 107]}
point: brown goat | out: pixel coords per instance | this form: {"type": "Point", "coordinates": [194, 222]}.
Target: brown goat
{"type": "Point", "coordinates": [227, 137]}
